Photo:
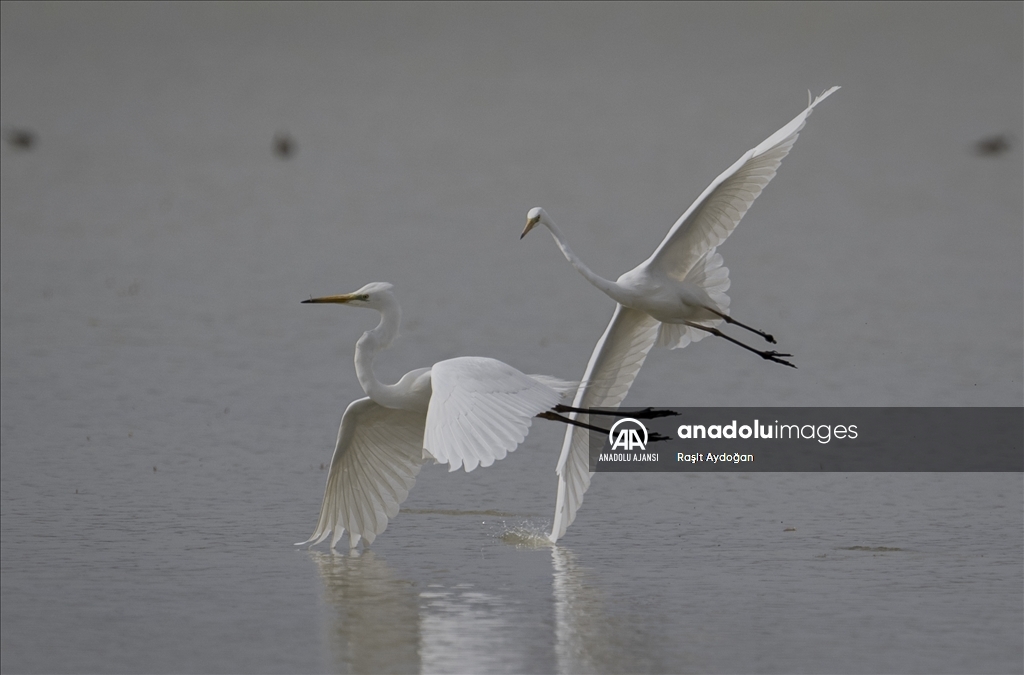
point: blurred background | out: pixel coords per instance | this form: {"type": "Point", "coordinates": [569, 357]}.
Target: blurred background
{"type": "Point", "coordinates": [177, 177]}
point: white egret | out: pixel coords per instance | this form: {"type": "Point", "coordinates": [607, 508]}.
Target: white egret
{"type": "Point", "coordinates": [675, 297]}
{"type": "Point", "coordinates": [467, 411]}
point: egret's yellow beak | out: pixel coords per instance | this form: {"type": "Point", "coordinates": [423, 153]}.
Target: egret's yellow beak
{"type": "Point", "coordinates": [335, 299]}
{"type": "Point", "coordinates": [530, 222]}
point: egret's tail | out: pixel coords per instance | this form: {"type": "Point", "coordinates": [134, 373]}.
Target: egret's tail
{"type": "Point", "coordinates": [711, 276]}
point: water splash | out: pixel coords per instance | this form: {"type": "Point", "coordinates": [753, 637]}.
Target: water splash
{"type": "Point", "coordinates": [525, 535]}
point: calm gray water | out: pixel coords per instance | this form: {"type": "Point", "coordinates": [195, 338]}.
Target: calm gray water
{"type": "Point", "coordinates": [167, 403]}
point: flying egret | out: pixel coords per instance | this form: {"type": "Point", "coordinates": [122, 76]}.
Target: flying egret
{"type": "Point", "coordinates": [675, 297]}
{"type": "Point", "coordinates": [465, 412]}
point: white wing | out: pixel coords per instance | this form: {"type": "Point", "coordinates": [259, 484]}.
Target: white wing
{"type": "Point", "coordinates": [480, 410]}
{"type": "Point", "coordinates": [613, 366]}
{"type": "Point", "coordinates": [719, 209]}
{"type": "Point", "coordinates": [379, 453]}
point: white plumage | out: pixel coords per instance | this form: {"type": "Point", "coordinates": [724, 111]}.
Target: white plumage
{"type": "Point", "coordinates": [481, 409]}
{"type": "Point", "coordinates": [465, 412]}
{"type": "Point", "coordinates": [676, 296]}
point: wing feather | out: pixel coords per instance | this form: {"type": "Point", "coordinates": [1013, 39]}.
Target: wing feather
{"type": "Point", "coordinates": [719, 209]}
{"type": "Point", "coordinates": [377, 457]}
{"type": "Point", "coordinates": [687, 254]}
{"type": "Point", "coordinates": [613, 366]}
{"type": "Point", "coordinates": [481, 410]}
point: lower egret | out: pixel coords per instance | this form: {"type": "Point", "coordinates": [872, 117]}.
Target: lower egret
{"type": "Point", "coordinates": [464, 412]}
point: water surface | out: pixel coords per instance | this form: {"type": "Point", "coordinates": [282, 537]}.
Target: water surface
{"type": "Point", "coordinates": [168, 404]}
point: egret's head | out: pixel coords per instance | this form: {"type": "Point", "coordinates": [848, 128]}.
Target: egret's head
{"type": "Point", "coordinates": [374, 296]}
{"type": "Point", "coordinates": [535, 216]}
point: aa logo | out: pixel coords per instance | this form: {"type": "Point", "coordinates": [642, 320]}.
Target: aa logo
{"type": "Point", "coordinates": [628, 434]}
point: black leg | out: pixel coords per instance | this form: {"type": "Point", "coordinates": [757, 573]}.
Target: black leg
{"type": "Point", "coordinates": [652, 437]}
{"type": "Point", "coordinates": [728, 319]}
{"type": "Point", "coordinates": [770, 356]}
{"type": "Point", "coordinates": [549, 415]}
{"type": "Point", "coordinates": [645, 414]}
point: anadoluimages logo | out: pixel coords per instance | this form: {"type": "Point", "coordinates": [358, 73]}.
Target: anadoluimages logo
{"type": "Point", "coordinates": [626, 435]}
{"type": "Point", "coordinates": [815, 440]}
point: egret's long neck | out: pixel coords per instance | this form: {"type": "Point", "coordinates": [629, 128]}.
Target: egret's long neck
{"type": "Point", "coordinates": [609, 287]}
{"type": "Point", "coordinates": [367, 347]}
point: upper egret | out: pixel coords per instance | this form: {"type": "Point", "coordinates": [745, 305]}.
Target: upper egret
{"type": "Point", "coordinates": [675, 297]}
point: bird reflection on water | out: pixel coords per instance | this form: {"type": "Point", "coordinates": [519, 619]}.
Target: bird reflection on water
{"type": "Point", "coordinates": [382, 622]}
{"type": "Point", "coordinates": [589, 636]}
{"type": "Point", "coordinates": [376, 623]}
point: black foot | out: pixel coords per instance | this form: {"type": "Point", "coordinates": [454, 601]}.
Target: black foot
{"type": "Point", "coordinates": [777, 358]}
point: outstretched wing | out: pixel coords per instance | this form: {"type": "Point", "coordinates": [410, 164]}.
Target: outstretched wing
{"type": "Point", "coordinates": [613, 366]}
{"type": "Point", "coordinates": [719, 209]}
{"type": "Point", "coordinates": [379, 453]}
{"type": "Point", "coordinates": [480, 410]}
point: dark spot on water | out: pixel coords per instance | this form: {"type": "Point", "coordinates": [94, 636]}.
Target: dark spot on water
{"type": "Point", "coordinates": [874, 549]}
{"type": "Point", "coordinates": [284, 145]}
{"type": "Point", "coordinates": [790, 529]}
{"type": "Point", "coordinates": [992, 146]}
{"type": "Point", "coordinates": [21, 139]}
